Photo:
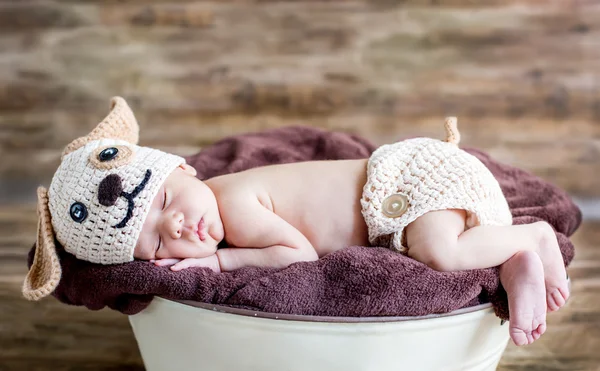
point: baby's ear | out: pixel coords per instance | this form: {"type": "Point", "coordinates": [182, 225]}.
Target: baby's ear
{"type": "Point", "coordinates": [188, 169]}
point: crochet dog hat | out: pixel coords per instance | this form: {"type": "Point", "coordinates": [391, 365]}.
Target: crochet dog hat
{"type": "Point", "coordinates": [98, 198]}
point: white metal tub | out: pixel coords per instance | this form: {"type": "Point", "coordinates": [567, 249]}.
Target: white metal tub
{"type": "Point", "coordinates": [196, 336]}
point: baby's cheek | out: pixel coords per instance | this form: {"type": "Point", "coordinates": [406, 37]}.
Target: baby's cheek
{"type": "Point", "coordinates": [137, 252]}
{"type": "Point", "coordinates": [142, 250]}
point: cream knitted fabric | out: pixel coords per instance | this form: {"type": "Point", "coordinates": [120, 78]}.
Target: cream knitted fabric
{"type": "Point", "coordinates": [410, 178]}
{"type": "Point", "coordinates": [101, 194]}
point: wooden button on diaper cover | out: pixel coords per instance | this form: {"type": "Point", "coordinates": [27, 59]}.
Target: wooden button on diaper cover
{"type": "Point", "coordinates": [395, 205]}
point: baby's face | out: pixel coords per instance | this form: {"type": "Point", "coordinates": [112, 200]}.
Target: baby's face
{"type": "Point", "coordinates": [183, 221]}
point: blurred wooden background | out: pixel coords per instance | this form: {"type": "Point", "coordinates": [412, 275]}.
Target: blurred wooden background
{"type": "Point", "coordinates": [523, 76]}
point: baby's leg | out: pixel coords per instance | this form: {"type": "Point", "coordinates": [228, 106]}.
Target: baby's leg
{"type": "Point", "coordinates": [438, 239]}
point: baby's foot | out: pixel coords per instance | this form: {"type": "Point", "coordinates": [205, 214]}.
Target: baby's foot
{"type": "Point", "coordinates": [555, 274]}
{"type": "Point", "coordinates": [523, 279]}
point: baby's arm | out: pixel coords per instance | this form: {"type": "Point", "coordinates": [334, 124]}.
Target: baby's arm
{"type": "Point", "coordinates": [261, 237]}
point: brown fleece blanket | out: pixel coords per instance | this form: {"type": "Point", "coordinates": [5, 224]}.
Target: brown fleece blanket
{"type": "Point", "coordinates": [356, 281]}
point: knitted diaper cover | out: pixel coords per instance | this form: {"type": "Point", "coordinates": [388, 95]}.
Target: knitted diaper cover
{"type": "Point", "coordinates": [407, 179]}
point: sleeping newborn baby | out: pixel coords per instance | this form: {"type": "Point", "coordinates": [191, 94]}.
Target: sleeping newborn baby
{"type": "Point", "coordinates": [112, 201]}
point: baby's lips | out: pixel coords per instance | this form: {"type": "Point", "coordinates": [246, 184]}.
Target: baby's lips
{"type": "Point", "coordinates": [200, 230]}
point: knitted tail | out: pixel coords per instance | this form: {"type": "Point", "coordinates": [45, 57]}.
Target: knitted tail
{"type": "Point", "coordinates": [452, 134]}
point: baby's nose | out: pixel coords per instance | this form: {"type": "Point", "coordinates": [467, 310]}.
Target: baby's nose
{"type": "Point", "coordinates": [176, 225]}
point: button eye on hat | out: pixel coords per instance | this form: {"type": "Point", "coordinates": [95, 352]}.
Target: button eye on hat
{"type": "Point", "coordinates": [78, 212]}
{"type": "Point", "coordinates": [108, 154]}
{"type": "Point", "coordinates": [111, 156]}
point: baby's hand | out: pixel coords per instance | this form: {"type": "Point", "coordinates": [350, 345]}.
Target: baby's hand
{"type": "Point", "coordinates": [211, 262]}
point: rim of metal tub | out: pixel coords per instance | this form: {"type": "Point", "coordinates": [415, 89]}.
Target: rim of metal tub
{"type": "Point", "coordinates": [330, 319]}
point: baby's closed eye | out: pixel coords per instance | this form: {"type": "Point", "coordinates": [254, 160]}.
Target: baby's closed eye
{"type": "Point", "coordinates": [164, 204]}
{"type": "Point", "coordinates": [165, 196]}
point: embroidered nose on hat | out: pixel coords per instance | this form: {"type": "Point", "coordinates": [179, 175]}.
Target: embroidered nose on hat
{"type": "Point", "coordinates": [110, 189]}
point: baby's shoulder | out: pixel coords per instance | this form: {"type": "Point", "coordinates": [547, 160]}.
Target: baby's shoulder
{"type": "Point", "coordinates": [233, 187]}
{"type": "Point", "coordinates": [235, 195]}
{"type": "Point", "coordinates": [241, 209]}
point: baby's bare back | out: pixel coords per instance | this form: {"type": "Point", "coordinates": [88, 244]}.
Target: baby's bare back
{"type": "Point", "coordinates": [319, 198]}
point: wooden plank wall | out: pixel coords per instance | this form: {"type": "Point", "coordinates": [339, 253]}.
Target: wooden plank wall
{"type": "Point", "coordinates": [523, 76]}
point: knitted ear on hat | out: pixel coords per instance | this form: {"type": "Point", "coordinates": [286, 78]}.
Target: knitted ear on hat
{"type": "Point", "coordinates": [44, 274]}
{"type": "Point", "coordinates": [119, 124]}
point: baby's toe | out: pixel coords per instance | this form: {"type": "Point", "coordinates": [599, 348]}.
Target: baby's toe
{"type": "Point", "coordinates": [556, 299]}
{"type": "Point", "coordinates": [520, 337]}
